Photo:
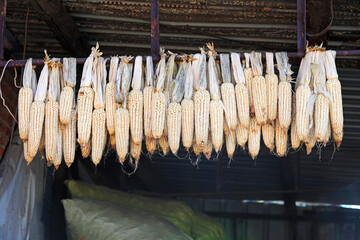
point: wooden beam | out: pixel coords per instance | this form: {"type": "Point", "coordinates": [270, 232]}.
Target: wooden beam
{"type": "Point", "coordinates": [2, 27]}
{"type": "Point", "coordinates": [62, 24]}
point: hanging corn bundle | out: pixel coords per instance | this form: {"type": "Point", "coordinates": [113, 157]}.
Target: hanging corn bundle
{"type": "Point", "coordinates": [216, 105]}
{"type": "Point", "coordinates": [98, 134]}
{"type": "Point", "coordinates": [122, 118]}
{"type": "Point", "coordinates": [187, 108]}
{"type": "Point", "coordinates": [228, 93]}
{"type": "Point", "coordinates": [254, 138]}
{"type": "Point", "coordinates": [85, 99]}
{"type": "Point", "coordinates": [135, 103]}
{"type": "Point", "coordinates": [67, 93]}
{"type": "Point", "coordinates": [303, 93]}
{"type": "Point", "coordinates": [37, 111]}
{"type": "Point", "coordinates": [295, 141]}
{"type": "Point", "coordinates": [271, 87]}
{"type": "Point", "coordinates": [158, 99]}
{"type": "Point", "coordinates": [110, 96]}
{"type": "Point", "coordinates": [52, 112]}
{"type": "Point", "coordinates": [68, 130]}
{"type": "Point", "coordinates": [333, 87]}
{"type": "Point", "coordinates": [25, 100]}
{"type": "Point", "coordinates": [174, 109]}
{"type": "Point", "coordinates": [281, 139]}
{"type": "Point", "coordinates": [268, 135]}
{"type": "Point", "coordinates": [258, 88]}
{"type": "Point", "coordinates": [241, 90]}
{"type": "Point", "coordinates": [201, 100]}
{"type": "Point", "coordinates": [148, 92]}
{"type": "Point", "coordinates": [248, 74]}
{"type": "Point", "coordinates": [284, 92]}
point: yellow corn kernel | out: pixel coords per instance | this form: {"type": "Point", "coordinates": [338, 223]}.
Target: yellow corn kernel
{"type": "Point", "coordinates": [85, 101]}
{"type": "Point", "coordinates": [66, 105]}
{"type": "Point", "coordinates": [113, 141]}
{"type": "Point", "coordinates": [24, 103]}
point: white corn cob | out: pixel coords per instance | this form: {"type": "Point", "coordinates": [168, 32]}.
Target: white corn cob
{"type": "Point", "coordinates": [271, 80]}
{"type": "Point", "coordinates": [51, 129]}
{"type": "Point", "coordinates": [59, 152]}
{"type": "Point", "coordinates": [135, 149]}
{"type": "Point", "coordinates": [328, 134]}
{"type": "Point", "coordinates": [285, 103]}
{"type": "Point", "coordinates": [281, 137]}
{"type": "Point", "coordinates": [37, 113]}
{"type": "Point", "coordinates": [122, 135]}
{"type": "Point", "coordinates": [248, 80]}
{"type": "Point", "coordinates": [242, 102]}
{"type": "Point", "coordinates": [69, 140]}
{"type": "Point", "coordinates": [110, 97]}
{"type": "Point", "coordinates": [321, 117]}
{"type": "Point", "coordinates": [85, 102]}
{"type": "Point", "coordinates": [254, 138]}
{"type": "Point", "coordinates": [148, 92]}
{"type": "Point", "coordinates": [113, 139]}
{"type": "Point", "coordinates": [333, 87]}
{"type": "Point", "coordinates": [66, 105]}
{"type": "Point", "coordinates": [27, 157]}
{"type": "Point", "coordinates": [338, 139]}
{"type": "Point", "coordinates": [174, 126]}
{"type": "Point", "coordinates": [242, 134]}
{"type": "Point", "coordinates": [158, 114]}
{"type": "Point", "coordinates": [202, 111]}
{"type": "Point", "coordinates": [310, 141]}
{"type": "Point", "coordinates": [187, 122]}
{"type": "Point", "coordinates": [150, 145]}
{"type": "Point", "coordinates": [295, 141]}
{"type": "Point", "coordinates": [164, 144]}
{"type": "Point", "coordinates": [196, 148]}
{"type": "Point", "coordinates": [135, 107]}
{"type": "Point", "coordinates": [98, 135]}
{"type": "Point", "coordinates": [208, 147]}
{"type": "Point", "coordinates": [217, 124]}
{"type": "Point", "coordinates": [230, 144]}
{"type": "Point", "coordinates": [24, 104]}
{"type": "Point", "coordinates": [303, 94]}
{"type": "Point", "coordinates": [226, 128]}
{"type": "Point", "coordinates": [86, 149]}
{"type": "Point", "coordinates": [268, 135]}
{"type": "Point", "coordinates": [228, 98]}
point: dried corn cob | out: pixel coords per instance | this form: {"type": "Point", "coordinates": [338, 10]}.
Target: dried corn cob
{"type": "Point", "coordinates": [327, 135]}
{"type": "Point", "coordinates": [69, 139]}
{"type": "Point", "coordinates": [258, 86]}
{"type": "Point", "coordinates": [310, 141]}
{"type": "Point", "coordinates": [67, 93]}
{"type": "Point", "coordinates": [271, 87]}
{"type": "Point", "coordinates": [241, 90]}
{"type": "Point", "coordinates": [122, 125]}
{"type": "Point", "coordinates": [333, 87]}
{"type": "Point", "coordinates": [216, 106]}
{"type": "Point", "coordinates": [268, 135]}
{"type": "Point", "coordinates": [113, 139]}
{"type": "Point", "coordinates": [85, 99]}
{"type": "Point", "coordinates": [59, 151]}
{"type": "Point", "coordinates": [37, 113]}
{"type": "Point", "coordinates": [86, 149]}
{"type": "Point", "coordinates": [230, 144]}
{"type": "Point", "coordinates": [148, 92]}
{"type": "Point", "coordinates": [136, 101]}
{"type": "Point", "coordinates": [24, 101]}
{"type": "Point", "coordinates": [110, 95]}
{"type": "Point", "coordinates": [254, 138]}
{"type": "Point", "coordinates": [27, 156]}
{"type": "Point", "coordinates": [164, 144]}
{"type": "Point", "coordinates": [321, 117]}
{"type": "Point", "coordinates": [248, 73]}
{"type": "Point", "coordinates": [281, 138]}
{"type": "Point", "coordinates": [228, 93]}
{"type": "Point", "coordinates": [208, 148]}
{"type": "Point", "coordinates": [42, 141]}
{"type": "Point", "coordinates": [196, 148]}
{"type": "Point", "coordinates": [98, 127]}
{"type": "Point", "coordinates": [242, 134]}
{"type": "Point", "coordinates": [150, 145]}
{"type": "Point", "coordinates": [135, 149]}
{"type": "Point", "coordinates": [295, 141]}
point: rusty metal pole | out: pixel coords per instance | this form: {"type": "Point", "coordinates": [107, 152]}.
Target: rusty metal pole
{"type": "Point", "coordinates": [301, 25]}
{"type": "Point", "coordinates": [155, 45]}
{"type": "Point", "coordinates": [2, 27]}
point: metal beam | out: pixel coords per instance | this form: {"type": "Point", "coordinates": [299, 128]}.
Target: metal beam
{"type": "Point", "coordinates": [62, 25]}
{"type": "Point", "coordinates": [2, 27]}
{"type": "Point", "coordinates": [155, 38]}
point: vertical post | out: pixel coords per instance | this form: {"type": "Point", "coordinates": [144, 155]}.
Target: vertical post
{"type": "Point", "coordinates": [2, 27]}
{"type": "Point", "coordinates": [301, 25]}
{"type": "Point", "coordinates": [155, 46]}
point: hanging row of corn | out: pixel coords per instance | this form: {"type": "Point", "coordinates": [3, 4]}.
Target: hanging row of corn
{"type": "Point", "coordinates": [198, 103]}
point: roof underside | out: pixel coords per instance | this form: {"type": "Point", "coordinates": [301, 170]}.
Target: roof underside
{"type": "Point", "coordinates": [124, 28]}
